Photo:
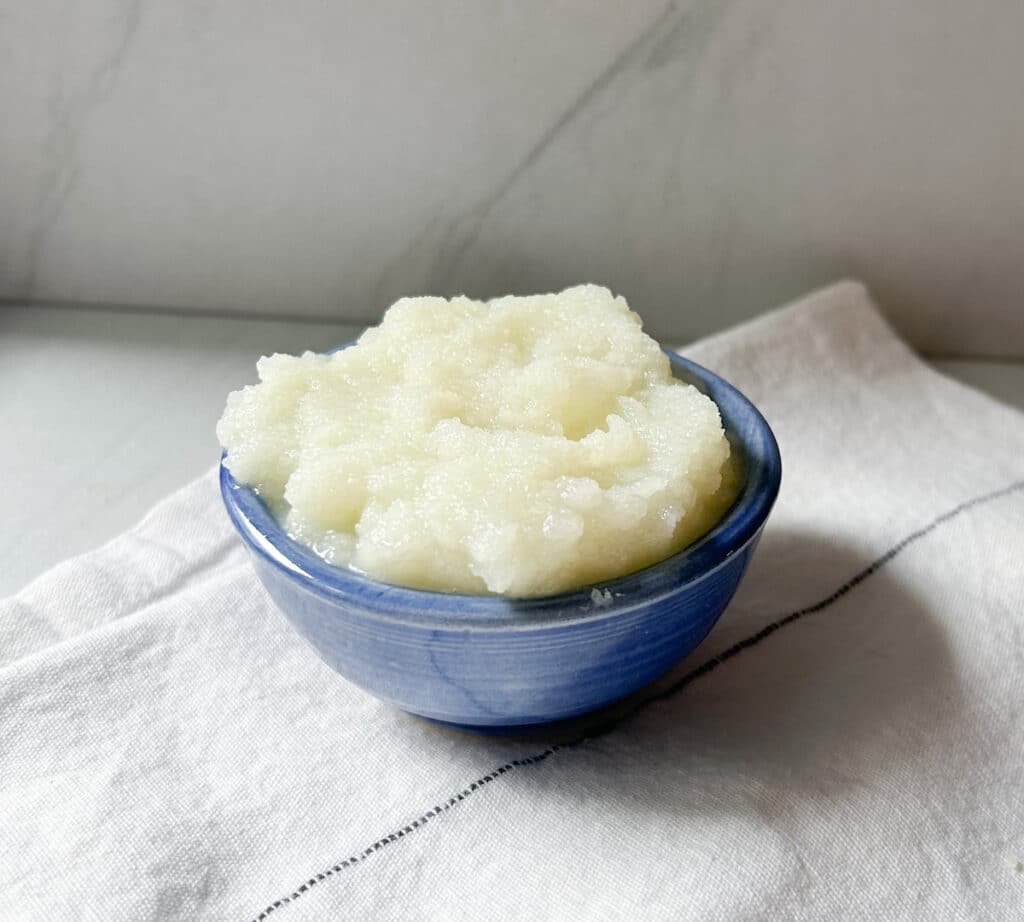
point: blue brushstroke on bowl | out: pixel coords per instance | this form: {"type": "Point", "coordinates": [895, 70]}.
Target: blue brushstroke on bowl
{"type": "Point", "coordinates": [489, 663]}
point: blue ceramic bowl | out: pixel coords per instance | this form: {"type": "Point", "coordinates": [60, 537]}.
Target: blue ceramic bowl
{"type": "Point", "coordinates": [487, 662]}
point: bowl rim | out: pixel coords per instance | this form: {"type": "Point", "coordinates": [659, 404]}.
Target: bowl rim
{"type": "Point", "coordinates": [745, 427]}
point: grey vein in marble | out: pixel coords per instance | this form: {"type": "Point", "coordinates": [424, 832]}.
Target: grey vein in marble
{"type": "Point", "coordinates": [68, 117]}
{"type": "Point", "coordinates": [673, 34]}
{"type": "Point", "coordinates": [465, 229]}
{"type": "Point", "coordinates": [459, 233]}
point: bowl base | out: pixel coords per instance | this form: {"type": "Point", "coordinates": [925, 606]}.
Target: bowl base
{"type": "Point", "coordinates": [533, 729]}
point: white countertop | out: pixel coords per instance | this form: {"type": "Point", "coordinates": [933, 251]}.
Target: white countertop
{"type": "Point", "coordinates": [105, 412]}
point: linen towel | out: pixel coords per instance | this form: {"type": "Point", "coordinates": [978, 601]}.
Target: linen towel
{"type": "Point", "coordinates": [848, 743]}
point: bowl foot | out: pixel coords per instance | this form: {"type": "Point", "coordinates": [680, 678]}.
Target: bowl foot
{"type": "Point", "coordinates": [532, 729]}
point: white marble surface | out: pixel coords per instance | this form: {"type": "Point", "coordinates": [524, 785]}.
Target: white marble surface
{"type": "Point", "coordinates": [108, 412]}
{"type": "Point", "coordinates": [704, 158]}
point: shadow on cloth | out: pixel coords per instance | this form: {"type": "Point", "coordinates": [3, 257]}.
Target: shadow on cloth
{"type": "Point", "coordinates": [838, 698]}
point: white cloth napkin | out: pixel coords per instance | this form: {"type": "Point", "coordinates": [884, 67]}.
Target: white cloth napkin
{"type": "Point", "coordinates": [171, 749]}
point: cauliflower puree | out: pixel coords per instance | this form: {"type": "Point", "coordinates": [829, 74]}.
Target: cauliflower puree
{"type": "Point", "coordinates": [521, 446]}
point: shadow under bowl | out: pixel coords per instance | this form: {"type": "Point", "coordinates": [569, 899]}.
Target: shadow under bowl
{"type": "Point", "coordinates": [490, 663]}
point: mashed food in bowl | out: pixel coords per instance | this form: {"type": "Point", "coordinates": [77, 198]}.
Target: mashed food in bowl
{"type": "Point", "coordinates": [522, 446]}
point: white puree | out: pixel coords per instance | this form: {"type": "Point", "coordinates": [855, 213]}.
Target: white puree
{"type": "Point", "coordinates": [522, 446]}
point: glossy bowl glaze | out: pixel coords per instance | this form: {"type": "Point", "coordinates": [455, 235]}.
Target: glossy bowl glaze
{"type": "Point", "coordinates": [486, 662]}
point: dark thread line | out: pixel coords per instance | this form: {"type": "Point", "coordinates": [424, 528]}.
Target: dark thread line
{"type": "Point", "coordinates": [602, 729]}
{"type": "Point", "coordinates": [418, 823]}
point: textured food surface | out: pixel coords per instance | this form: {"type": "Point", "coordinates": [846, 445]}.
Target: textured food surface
{"type": "Point", "coordinates": [523, 446]}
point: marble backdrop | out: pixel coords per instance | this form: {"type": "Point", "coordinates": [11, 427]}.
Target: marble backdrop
{"type": "Point", "coordinates": [707, 159]}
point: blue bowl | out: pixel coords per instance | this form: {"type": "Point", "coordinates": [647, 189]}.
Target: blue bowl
{"type": "Point", "coordinates": [487, 662]}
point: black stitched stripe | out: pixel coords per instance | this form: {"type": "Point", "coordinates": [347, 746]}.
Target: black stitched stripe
{"type": "Point", "coordinates": [415, 824]}
{"type": "Point", "coordinates": [602, 729]}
